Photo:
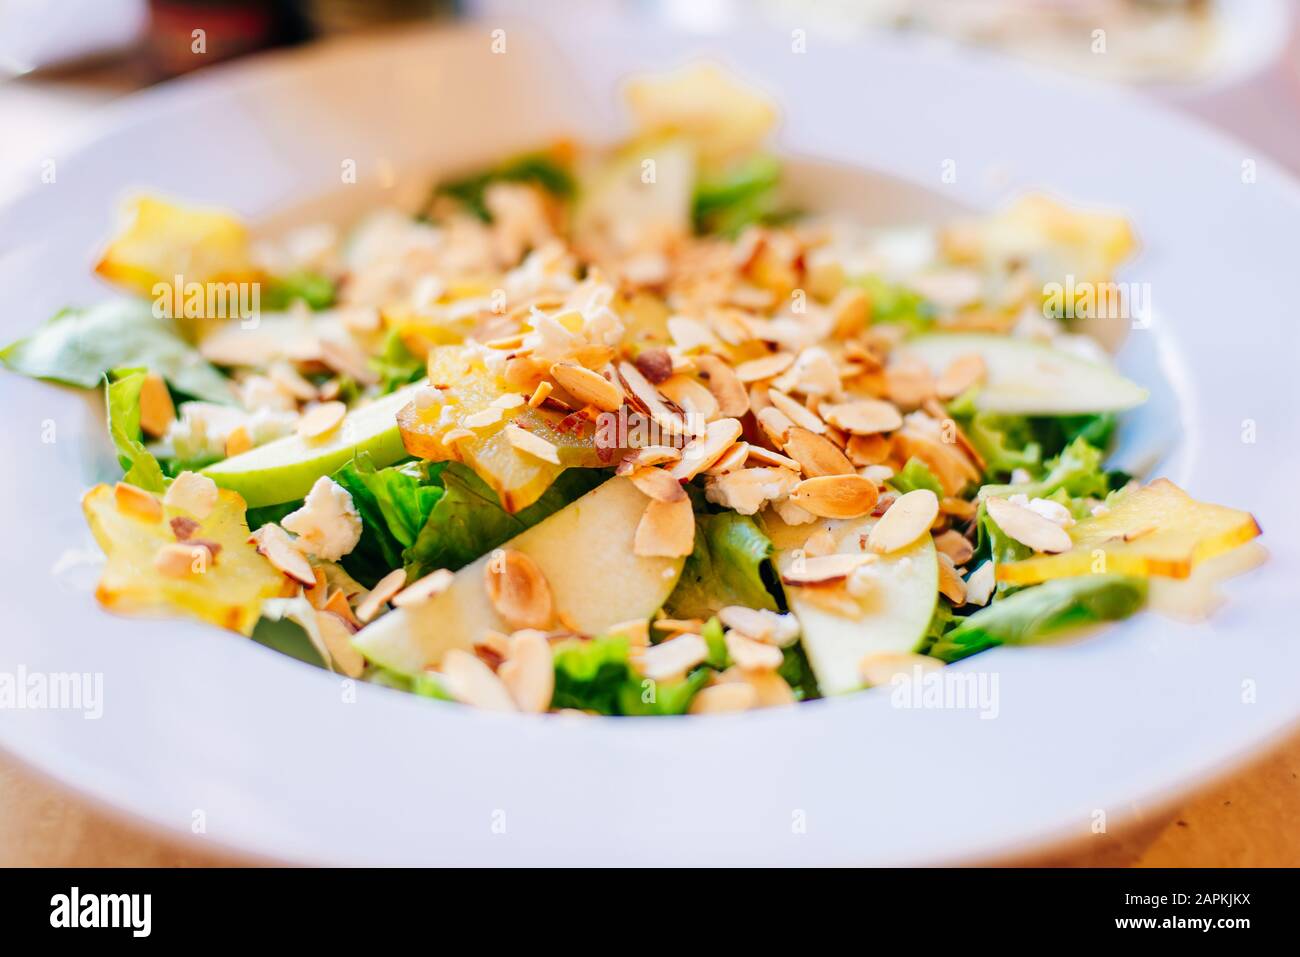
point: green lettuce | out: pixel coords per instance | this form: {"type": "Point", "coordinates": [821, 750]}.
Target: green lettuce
{"type": "Point", "coordinates": [597, 675]}
{"type": "Point", "coordinates": [914, 475]}
{"type": "Point", "coordinates": [315, 290]}
{"type": "Point", "coordinates": [1043, 611]}
{"type": "Point", "coordinates": [397, 366]}
{"type": "Point", "coordinates": [79, 346]}
{"type": "Point", "coordinates": [892, 303]}
{"type": "Point", "coordinates": [468, 521]}
{"type": "Point", "coordinates": [731, 564]}
{"type": "Point", "coordinates": [744, 194]}
{"type": "Point", "coordinates": [540, 169]}
{"type": "Point", "coordinates": [394, 504]}
{"type": "Point", "coordinates": [122, 399]}
{"type": "Point", "coordinates": [1077, 472]}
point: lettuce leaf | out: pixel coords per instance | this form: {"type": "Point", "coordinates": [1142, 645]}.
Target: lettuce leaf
{"type": "Point", "coordinates": [397, 366]}
{"type": "Point", "coordinates": [394, 503]}
{"type": "Point", "coordinates": [727, 202]}
{"type": "Point", "coordinates": [731, 564]}
{"type": "Point", "coordinates": [79, 346]}
{"type": "Point", "coordinates": [315, 290]}
{"type": "Point", "coordinates": [597, 675]}
{"type": "Point", "coordinates": [891, 302]}
{"type": "Point", "coordinates": [915, 474]}
{"type": "Point", "coordinates": [122, 399]}
{"type": "Point", "coordinates": [1077, 472]}
{"type": "Point", "coordinates": [540, 168]}
{"type": "Point", "coordinates": [1042, 611]}
{"type": "Point", "coordinates": [468, 521]}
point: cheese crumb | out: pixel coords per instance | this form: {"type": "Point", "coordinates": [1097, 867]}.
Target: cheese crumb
{"type": "Point", "coordinates": [328, 524]}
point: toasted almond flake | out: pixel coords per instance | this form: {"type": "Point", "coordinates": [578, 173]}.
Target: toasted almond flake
{"type": "Point", "coordinates": [137, 503]}
{"type": "Point", "coordinates": [882, 667]}
{"type": "Point", "coordinates": [820, 542]}
{"type": "Point", "coordinates": [635, 630]}
{"type": "Point", "coordinates": [727, 389]}
{"type": "Point", "coordinates": [483, 418]}
{"type": "Point", "coordinates": [1028, 527]}
{"type": "Point", "coordinates": [732, 460]}
{"type": "Point", "coordinates": [534, 445]}
{"type": "Point", "coordinates": [238, 441]}
{"type": "Point", "coordinates": [511, 400]}
{"type": "Point", "coordinates": [506, 342]}
{"type": "Point", "coordinates": [422, 589]}
{"type": "Point", "coordinates": [690, 396]}
{"type": "Point", "coordinates": [756, 370]}
{"type": "Point", "coordinates": [320, 420]}
{"type": "Point", "coordinates": [331, 390]}
{"type": "Point", "coordinates": [588, 387]}
{"type": "Point", "coordinates": [336, 634]}
{"type": "Point", "coordinates": [980, 584]}
{"type": "Point", "coordinates": [760, 624]}
{"type": "Point", "coordinates": [457, 435]}
{"type": "Point", "coordinates": [951, 585]}
{"type": "Point", "coordinates": [819, 569]}
{"type": "Point", "coordinates": [649, 455]}
{"type": "Point", "coordinates": [539, 394]}
{"type": "Point", "coordinates": [360, 318]}
{"type": "Point", "coordinates": [666, 530]}
{"type": "Point", "coordinates": [850, 310]}
{"type": "Point", "coordinates": [346, 359]}
{"type": "Point", "coordinates": [291, 382]}
{"type": "Point", "coordinates": [492, 648]}
{"type": "Point", "coordinates": [963, 372]}
{"type": "Point", "coordinates": [529, 674]}
{"type": "Point", "coordinates": [317, 592]}
{"type": "Point", "coordinates": [868, 449]}
{"type": "Point", "coordinates": [751, 655]}
{"type": "Point", "coordinates": [908, 382]}
{"type": "Point", "coordinates": [193, 493]}
{"type": "Point", "coordinates": [776, 425]}
{"type": "Point", "coordinates": [518, 590]}
{"type": "Point", "coordinates": [643, 396]}
{"type": "Point", "coordinates": [157, 411]}
{"type": "Point", "coordinates": [688, 334]}
{"type": "Point", "coordinates": [178, 560]}
{"type": "Point", "coordinates": [677, 625]}
{"type": "Point", "coordinates": [674, 657]}
{"type": "Point", "coordinates": [384, 590]}
{"type": "Point", "coordinates": [816, 454]}
{"type": "Point", "coordinates": [337, 604]}
{"type": "Point", "coordinates": [863, 416]}
{"type": "Point", "coordinates": [725, 698]}
{"type": "Point", "coordinates": [906, 520]}
{"type": "Point", "coordinates": [705, 450]}
{"type": "Point", "coordinates": [797, 412]}
{"type": "Point", "coordinates": [836, 496]}
{"type": "Point", "coordinates": [274, 544]}
{"type": "Point", "coordinates": [955, 545]}
{"type": "Point", "coordinates": [958, 508]}
{"type": "Point", "coordinates": [471, 682]}
{"type": "Point", "coordinates": [770, 459]}
{"type": "Point", "coordinates": [658, 485]}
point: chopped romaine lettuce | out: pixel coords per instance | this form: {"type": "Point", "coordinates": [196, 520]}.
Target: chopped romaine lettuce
{"type": "Point", "coordinates": [892, 303]}
{"type": "Point", "coordinates": [394, 504]}
{"type": "Point", "coordinates": [315, 290]}
{"type": "Point", "coordinates": [597, 675]}
{"type": "Point", "coordinates": [731, 565]}
{"type": "Point", "coordinates": [725, 203]}
{"type": "Point", "coordinates": [914, 475]}
{"type": "Point", "coordinates": [541, 169]}
{"type": "Point", "coordinates": [1077, 471]}
{"type": "Point", "coordinates": [397, 365]}
{"type": "Point", "coordinates": [122, 398]}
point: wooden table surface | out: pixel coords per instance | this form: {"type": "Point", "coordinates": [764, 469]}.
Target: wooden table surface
{"type": "Point", "coordinates": [1252, 819]}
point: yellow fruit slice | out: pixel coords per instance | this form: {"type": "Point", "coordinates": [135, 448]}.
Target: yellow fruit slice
{"type": "Point", "coordinates": [228, 590]}
{"type": "Point", "coordinates": [1157, 529]}
{"type": "Point", "coordinates": [162, 241]}
{"type": "Point", "coordinates": [468, 387]}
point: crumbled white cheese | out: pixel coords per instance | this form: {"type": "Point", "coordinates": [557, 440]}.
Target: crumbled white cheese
{"type": "Point", "coordinates": [426, 397]}
{"type": "Point", "coordinates": [328, 525]}
{"type": "Point", "coordinates": [261, 392]}
{"type": "Point", "coordinates": [1052, 511]}
{"type": "Point", "coordinates": [980, 584]}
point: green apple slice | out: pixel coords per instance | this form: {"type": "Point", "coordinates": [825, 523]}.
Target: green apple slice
{"type": "Point", "coordinates": [839, 630]}
{"type": "Point", "coordinates": [1028, 378]}
{"type": "Point", "coordinates": [644, 189]}
{"type": "Point", "coordinates": [286, 469]}
{"type": "Point", "coordinates": [584, 551]}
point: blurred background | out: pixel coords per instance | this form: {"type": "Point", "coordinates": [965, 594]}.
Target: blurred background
{"type": "Point", "coordinates": [1234, 63]}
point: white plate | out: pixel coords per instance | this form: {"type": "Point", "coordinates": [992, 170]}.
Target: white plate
{"type": "Point", "coordinates": [199, 725]}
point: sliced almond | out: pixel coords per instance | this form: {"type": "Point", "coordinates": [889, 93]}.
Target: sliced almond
{"type": "Point", "coordinates": [1028, 527]}
{"type": "Point", "coordinates": [533, 445]}
{"type": "Point", "coordinates": [193, 493]}
{"type": "Point", "coordinates": [732, 460]}
{"type": "Point", "coordinates": [674, 657]}
{"type": "Point", "coordinates": [178, 560]}
{"type": "Point", "coordinates": [768, 458]}
{"type": "Point", "coordinates": [337, 604]}
{"type": "Point", "coordinates": [776, 425]}
{"type": "Point", "coordinates": [955, 545]}
{"type": "Point", "coordinates": [816, 454]}
{"type": "Point", "coordinates": [511, 400]}
{"type": "Point", "coordinates": [157, 411]}
{"type": "Point", "coordinates": [691, 396]}
{"type": "Point", "coordinates": [238, 441]}
{"type": "Point", "coordinates": [346, 359]}
{"type": "Point", "coordinates": [688, 334]}
{"type": "Point", "coordinates": [725, 698]}
{"type": "Point", "coordinates": [658, 485]}
{"type": "Point", "coordinates": [797, 412]}
{"type": "Point", "coordinates": [588, 387]}
{"type": "Point", "coordinates": [727, 389]}
{"type": "Point", "coordinates": [963, 372]}
{"type": "Point", "coordinates": [320, 420]}
{"type": "Point", "coordinates": [850, 310]}
{"type": "Point", "coordinates": [539, 394]}
{"type": "Point", "coordinates": [674, 626]}
{"type": "Point", "coordinates": [820, 542]}
{"type": "Point", "coordinates": [483, 418]}
{"type": "Point", "coordinates": [820, 569]}
{"type": "Point", "coordinates": [761, 624]}
{"type": "Point", "coordinates": [703, 451]}
{"type": "Point", "coordinates": [318, 591]}
{"type": "Point", "coordinates": [645, 398]}
{"type": "Point", "coordinates": [136, 502]}
{"type": "Point", "coordinates": [751, 655]}
{"type": "Point", "coordinates": [836, 496]}
{"type": "Point", "coordinates": [291, 382]}
{"type": "Point", "coordinates": [868, 449]}
{"type": "Point", "coordinates": [908, 382]}
{"type": "Point", "coordinates": [958, 508]}
{"type": "Point", "coordinates": [518, 590]}
{"type": "Point", "coordinates": [906, 520]}
{"type": "Point", "coordinates": [336, 634]}
{"type": "Point", "coordinates": [649, 455]}
{"type": "Point", "coordinates": [472, 682]}
{"type": "Point", "coordinates": [422, 589]}
{"type": "Point", "coordinates": [882, 667]}
{"type": "Point", "coordinates": [384, 590]}
{"type": "Point", "coordinates": [951, 585]}
{"type": "Point", "coordinates": [863, 416]}
{"type": "Point", "coordinates": [756, 370]}
{"type": "Point", "coordinates": [274, 544]}
{"type": "Point", "coordinates": [529, 674]}
{"type": "Point", "coordinates": [666, 530]}
{"type": "Point", "coordinates": [635, 630]}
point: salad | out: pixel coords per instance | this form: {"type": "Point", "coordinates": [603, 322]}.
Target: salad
{"type": "Point", "coordinates": [622, 431]}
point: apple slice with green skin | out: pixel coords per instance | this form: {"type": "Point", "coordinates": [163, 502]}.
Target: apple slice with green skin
{"type": "Point", "coordinates": [585, 553]}
{"type": "Point", "coordinates": [839, 629]}
{"type": "Point", "coordinates": [1028, 378]}
{"type": "Point", "coordinates": [285, 469]}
